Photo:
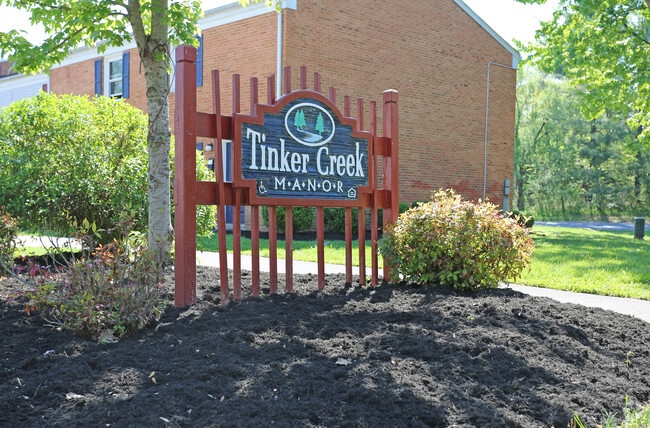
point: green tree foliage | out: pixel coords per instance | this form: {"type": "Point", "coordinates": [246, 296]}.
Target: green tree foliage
{"type": "Point", "coordinates": [153, 24]}
{"type": "Point", "coordinates": [603, 46]}
{"type": "Point", "coordinates": [569, 165]}
{"type": "Point", "coordinates": [66, 158]}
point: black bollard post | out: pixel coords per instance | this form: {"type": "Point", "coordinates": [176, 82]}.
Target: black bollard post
{"type": "Point", "coordinates": [639, 227]}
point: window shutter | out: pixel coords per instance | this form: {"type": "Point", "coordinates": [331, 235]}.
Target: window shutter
{"type": "Point", "coordinates": [199, 62]}
{"type": "Point", "coordinates": [125, 75]}
{"type": "Point", "coordinates": [98, 77]}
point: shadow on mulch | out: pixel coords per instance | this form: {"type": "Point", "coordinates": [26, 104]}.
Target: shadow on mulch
{"type": "Point", "coordinates": [395, 355]}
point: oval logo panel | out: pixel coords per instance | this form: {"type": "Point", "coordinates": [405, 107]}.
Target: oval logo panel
{"type": "Point", "coordinates": [309, 124]}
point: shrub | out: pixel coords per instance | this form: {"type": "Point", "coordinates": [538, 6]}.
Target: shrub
{"type": "Point", "coordinates": [8, 239]}
{"type": "Point", "coordinates": [114, 289]}
{"type": "Point", "coordinates": [303, 218]}
{"type": "Point", "coordinates": [450, 241]}
{"type": "Point", "coordinates": [66, 158]}
{"type": "Point", "coordinates": [523, 219]}
{"type": "Point", "coordinates": [417, 203]}
{"type": "Point", "coordinates": [335, 220]}
{"type": "Point", "coordinates": [402, 208]}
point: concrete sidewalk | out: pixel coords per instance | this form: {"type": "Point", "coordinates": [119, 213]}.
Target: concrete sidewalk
{"type": "Point", "coordinates": [633, 307]}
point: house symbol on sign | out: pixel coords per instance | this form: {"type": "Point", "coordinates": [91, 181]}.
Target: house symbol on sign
{"type": "Point", "coordinates": [352, 193]}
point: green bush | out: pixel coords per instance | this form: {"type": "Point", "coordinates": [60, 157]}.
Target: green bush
{"type": "Point", "coordinates": [523, 219]}
{"type": "Point", "coordinates": [417, 203]}
{"type": "Point", "coordinates": [303, 218]}
{"type": "Point", "coordinates": [67, 158]}
{"type": "Point", "coordinates": [112, 290]}
{"type": "Point", "coordinates": [402, 208]}
{"type": "Point", "coordinates": [8, 238]}
{"type": "Point", "coordinates": [335, 220]}
{"type": "Point", "coordinates": [450, 241]}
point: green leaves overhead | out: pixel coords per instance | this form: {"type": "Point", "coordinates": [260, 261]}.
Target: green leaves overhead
{"type": "Point", "coordinates": [104, 23]}
{"type": "Point", "coordinates": [603, 46]}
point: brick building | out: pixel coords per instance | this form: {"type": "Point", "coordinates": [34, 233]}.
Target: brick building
{"type": "Point", "coordinates": [453, 73]}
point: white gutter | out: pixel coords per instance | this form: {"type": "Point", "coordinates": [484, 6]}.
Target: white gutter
{"type": "Point", "coordinates": [487, 111]}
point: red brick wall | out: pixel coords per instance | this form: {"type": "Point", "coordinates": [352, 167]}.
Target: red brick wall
{"type": "Point", "coordinates": [431, 51]}
{"type": "Point", "coordinates": [436, 56]}
{"type": "Point", "coordinates": [74, 79]}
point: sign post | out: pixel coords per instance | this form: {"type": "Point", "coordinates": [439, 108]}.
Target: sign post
{"type": "Point", "coordinates": [298, 151]}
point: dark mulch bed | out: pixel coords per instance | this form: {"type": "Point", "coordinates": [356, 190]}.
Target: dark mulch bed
{"type": "Point", "coordinates": [416, 357]}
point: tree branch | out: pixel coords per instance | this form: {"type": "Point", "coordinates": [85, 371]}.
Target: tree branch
{"type": "Point", "coordinates": [634, 33]}
{"type": "Point", "coordinates": [135, 18]}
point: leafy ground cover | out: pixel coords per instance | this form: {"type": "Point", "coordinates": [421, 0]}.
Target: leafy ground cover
{"type": "Point", "coordinates": [394, 355]}
{"type": "Point", "coordinates": [590, 261]}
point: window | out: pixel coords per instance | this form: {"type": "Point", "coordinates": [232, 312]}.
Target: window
{"type": "Point", "coordinates": [115, 78]}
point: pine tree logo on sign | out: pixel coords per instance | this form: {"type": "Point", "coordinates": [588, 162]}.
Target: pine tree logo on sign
{"type": "Point", "coordinates": [310, 127]}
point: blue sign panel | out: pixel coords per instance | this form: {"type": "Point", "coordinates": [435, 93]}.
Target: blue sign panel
{"type": "Point", "coordinates": [305, 152]}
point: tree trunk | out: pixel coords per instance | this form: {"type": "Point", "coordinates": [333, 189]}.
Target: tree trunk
{"type": "Point", "coordinates": [153, 48]}
{"type": "Point", "coordinates": [158, 143]}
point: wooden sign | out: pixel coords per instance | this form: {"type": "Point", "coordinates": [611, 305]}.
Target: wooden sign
{"type": "Point", "coordinates": [297, 151]}
{"type": "Point", "coordinates": [301, 148]}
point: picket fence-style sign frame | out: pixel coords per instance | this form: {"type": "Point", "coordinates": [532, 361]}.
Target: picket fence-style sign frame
{"type": "Point", "coordinates": [298, 151]}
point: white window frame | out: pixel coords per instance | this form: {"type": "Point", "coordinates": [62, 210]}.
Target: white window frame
{"type": "Point", "coordinates": [107, 74]}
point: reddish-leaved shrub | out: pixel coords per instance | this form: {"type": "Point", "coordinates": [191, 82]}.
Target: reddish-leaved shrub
{"type": "Point", "coordinates": [465, 245]}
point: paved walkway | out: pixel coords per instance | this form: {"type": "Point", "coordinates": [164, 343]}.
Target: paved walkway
{"type": "Point", "coordinates": [596, 225]}
{"type": "Point", "coordinates": [634, 307]}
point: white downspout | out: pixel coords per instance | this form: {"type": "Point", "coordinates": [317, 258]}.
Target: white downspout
{"type": "Point", "coordinates": [278, 69]}
{"type": "Point", "coordinates": [487, 111]}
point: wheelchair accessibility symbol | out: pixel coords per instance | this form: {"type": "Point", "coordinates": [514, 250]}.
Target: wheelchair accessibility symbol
{"type": "Point", "coordinates": [261, 188]}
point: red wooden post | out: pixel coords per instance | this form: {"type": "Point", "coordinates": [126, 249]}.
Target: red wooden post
{"type": "Point", "coordinates": [255, 244]}
{"type": "Point", "coordinates": [332, 94]}
{"type": "Point", "coordinates": [372, 181]}
{"type": "Point", "coordinates": [288, 248]}
{"type": "Point", "coordinates": [273, 232]}
{"type": "Point", "coordinates": [303, 77]}
{"type": "Point", "coordinates": [273, 250]}
{"type": "Point", "coordinates": [362, 246]}
{"type": "Point", "coordinates": [287, 79]}
{"type": "Point", "coordinates": [320, 246]}
{"type": "Point", "coordinates": [346, 106]}
{"type": "Point", "coordinates": [391, 163]}
{"type": "Point", "coordinates": [255, 211]}
{"type": "Point", "coordinates": [348, 245]}
{"type": "Point", "coordinates": [317, 82]}
{"type": "Point", "coordinates": [185, 182]}
{"type": "Point", "coordinates": [236, 218]}
{"type": "Point", "coordinates": [270, 89]}
{"type": "Point", "coordinates": [221, 190]}
{"type": "Point", "coordinates": [362, 210]}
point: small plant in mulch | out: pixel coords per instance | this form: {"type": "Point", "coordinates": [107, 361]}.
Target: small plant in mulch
{"type": "Point", "coordinates": [107, 292]}
{"type": "Point", "coordinates": [465, 245]}
{"type": "Point", "coordinates": [639, 418]}
{"type": "Point", "coordinates": [8, 240]}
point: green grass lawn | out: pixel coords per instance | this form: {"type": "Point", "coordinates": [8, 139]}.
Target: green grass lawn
{"type": "Point", "coordinates": [600, 262]}
{"type": "Point", "coordinates": [302, 250]}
